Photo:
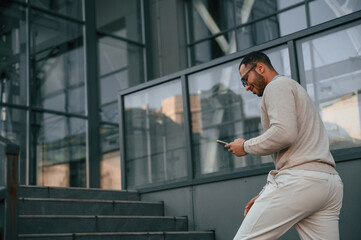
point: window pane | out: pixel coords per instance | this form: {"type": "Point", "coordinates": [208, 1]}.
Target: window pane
{"type": "Point", "coordinates": [258, 33]}
{"type": "Point", "coordinates": [57, 55]}
{"type": "Point", "coordinates": [13, 64]}
{"type": "Point", "coordinates": [121, 18]}
{"type": "Point", "coordinates": [154, 135]}
{"type": "Point", "coordinates": [71, 8]}
{"type": "Point", "coordinates": [287, 3]}
{"type": "Point", "coordinates": [251, 10]}
{"type": "Point", "coordinates": [59, 150]}
{"type": "Point", "coordinates": [222, 109]}
{"type": "Point", "coordinates": [110, 177]}
{"type": "Point", "coordinates": [271, 28]}
{"type": "Point", "coordinates": [287, 24]}
{"type": "Point", "coordinates": [332, 75]}
{"type": "Point", "coordinates": [13, 126]}
{"type": "Point", "coordinates": [322, 10]}
{"type": "Point", "coordinates": [217, 47]}
{"type": "Point", "coordinates": [210, 17]}
{"type": "Point", "coordinates": [120, 67]}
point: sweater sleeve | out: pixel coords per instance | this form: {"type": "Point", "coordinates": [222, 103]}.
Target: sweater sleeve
{"type": "Point", "coordinates": [280, 107]}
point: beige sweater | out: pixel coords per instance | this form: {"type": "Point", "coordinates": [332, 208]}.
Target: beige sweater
{"type": "Point", "coordinates": [293, 131]}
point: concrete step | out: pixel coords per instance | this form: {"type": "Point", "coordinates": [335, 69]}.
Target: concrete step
{"type": "Point", "coordinates": [206, 235]}
{"type": "Point", "coordinates": [77, 193]}
{"type": "Point", "coordinates": [42, 224]}
{"type": "Point", "coordinates": [46, 206]}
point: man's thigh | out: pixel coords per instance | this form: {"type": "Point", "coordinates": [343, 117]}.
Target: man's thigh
{"type": "Point", "coordinates": [287, 199]}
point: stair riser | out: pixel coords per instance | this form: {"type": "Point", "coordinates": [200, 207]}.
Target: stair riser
{"type": "Point", "coordinates": [44, 192]}
{"type": "Point", "coordinates": [92, 224]}
{"type": "Point", "coordinates": [184, 236]}
{"type": "Point", "coordinates": [38, 207]}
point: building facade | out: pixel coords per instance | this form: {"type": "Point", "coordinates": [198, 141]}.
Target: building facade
{"type": "Point", "coordinates": [133, 94]}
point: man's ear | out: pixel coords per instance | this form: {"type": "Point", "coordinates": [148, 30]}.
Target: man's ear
{"type": "Point", "coordinates": [260, 68]}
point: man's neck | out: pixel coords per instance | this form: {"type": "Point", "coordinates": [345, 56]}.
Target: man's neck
{"type": "Point", "coordinates": [270, 76]}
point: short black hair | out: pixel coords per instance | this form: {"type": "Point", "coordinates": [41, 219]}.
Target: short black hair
{"type": "Point", "coordinates": [255, 57]}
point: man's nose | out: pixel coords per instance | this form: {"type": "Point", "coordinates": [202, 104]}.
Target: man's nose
{"type": "Point", "coordinates": [248, 87]}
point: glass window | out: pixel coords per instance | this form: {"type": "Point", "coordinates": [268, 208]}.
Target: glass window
{"type": "Point", "coordinates": [322, 10]}
{"type": "Point", "coordinates": [216, 47]}
{"type": "Point", "coordinates": [110, 177]}
{"type": "Point", "coordinates": [120, 18]}
{"type": "Point", "coordinates": [13, 66]}
{"type": "Point", "coordinates": [208, 18]}
{"type": "Point", "coordinates": [120, 67]}
{"type": "Point", "coordinates": [13, 126]}
{"type": "Point", "coordinates": [251, 10]}
{"type": "Point", "coordinates": [154, 135]}
{"type": "Point", "coordinates": [287, 3]}
{"type": "Point", "coordinates": [57, 58]}
{"type": "Point", "coordinates": [258, 33]}
{"type": "Point", "coordinates": [332, 75]}
{"type": "Point", "coordinates": [222, 109]}
{"type": "Point", "coordinates": [71, 8]}
{"type": "Point", "coordinates": [287, 24]}
{"type": "Point", "coordinates": [59, 150]}
{"type": "Point", "coordinates": [271, 28]}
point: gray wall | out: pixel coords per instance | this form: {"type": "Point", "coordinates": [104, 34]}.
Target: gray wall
{"type": "Point", "coordinates": [219, 206]}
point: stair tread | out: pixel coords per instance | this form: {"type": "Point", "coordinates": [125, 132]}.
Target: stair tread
{"type": "Point", "coordinates": [89, 200]}
{"type": "Point", "coordinates": [101, 216]}
{"type": "Point", "coordinates": [79, 188]}
{"type": "Point", "coordinates": [117, 233]}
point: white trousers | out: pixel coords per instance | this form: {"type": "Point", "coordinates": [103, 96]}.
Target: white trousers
{"type": "Point", "coordinates": [309, 200]}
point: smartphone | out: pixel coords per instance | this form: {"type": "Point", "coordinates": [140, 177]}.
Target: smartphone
{"type": "Point", "coordinates": [221, 142]}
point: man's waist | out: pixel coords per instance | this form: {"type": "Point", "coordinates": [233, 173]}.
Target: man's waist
{"type": "Point", "coordinates": [316, 166]}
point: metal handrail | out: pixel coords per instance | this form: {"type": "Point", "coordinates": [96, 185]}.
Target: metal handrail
{"type": "Point", "coordinates": [9, 162]}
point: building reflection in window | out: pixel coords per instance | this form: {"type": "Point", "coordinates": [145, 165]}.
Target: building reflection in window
{"type": "Point", "coordinates": [57, 58]}
{"type": "Point", "coordinates": [59, 150]}
{"type": "Point", "coordinates": [120, 67]}
{"type": "Point", "coordinates": [331, 70]}
{"type": "Point", "coordinates": [154, 135]}
{"type": "Point", "coordinates": [110, 177]}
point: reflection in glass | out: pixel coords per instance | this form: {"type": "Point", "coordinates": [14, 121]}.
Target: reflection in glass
{"type": "Point", "coordinates": [222, 109]}
{"type": "Point", "coordinates": [210, 17]}
{"type": "Point", "coordinates": [287, 3]}
{"type": "Point", "coordinates": [120, 67]}
{"type": "Point", "coordinates": [57, 57]}
{"type": "Point", "coordinates": [216, 47]}
{"type": "Point", "coordinates": [120, 18]}
{"type": "Point", "coordinates": [258, 33]}
{"type": "Point", "coordinates": [13, 67]}
{"type": "Point", "coordinates": [322, 10]}
{"type": "Point", "coordinates": [13, 127]}
{"type": "Point", "coordinates": [154, 135]}
{"type": "Point", "coordinates": [286, 23]}
{"type": "Point", "coordinates": [59, 150]}
{"type": "Point", "coordinates": [110, 177]}
{"type": "Point", "coordinates": [333, 80]}
{"type": "Point", "coordinates": [71, 8]}
{"type": "Point", "coordinates": [252, 10]}
{"type": "Point", "coordinates": [271, 28]}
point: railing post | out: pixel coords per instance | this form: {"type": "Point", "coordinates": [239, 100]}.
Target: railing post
{"type": "Point", "coordinates": [10, 195]}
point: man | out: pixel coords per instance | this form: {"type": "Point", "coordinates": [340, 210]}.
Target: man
{"type": "Point", "coordinates": [304, 190]}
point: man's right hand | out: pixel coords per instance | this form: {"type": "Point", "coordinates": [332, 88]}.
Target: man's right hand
{"type": "Point", "coordinates": [249, 205]}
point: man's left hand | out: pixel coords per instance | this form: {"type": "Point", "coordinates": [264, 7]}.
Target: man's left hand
{"type": "Point", "coordinates": [236, 147]}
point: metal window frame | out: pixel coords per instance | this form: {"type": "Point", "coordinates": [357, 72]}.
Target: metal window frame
{"type": "Point", "coordinates": [237, 26]}
{"type": "Point", "coordinates": [290, 42]}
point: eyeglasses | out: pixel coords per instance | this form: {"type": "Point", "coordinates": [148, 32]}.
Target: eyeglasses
{"type": "Point", "coordinates": [244, 82]}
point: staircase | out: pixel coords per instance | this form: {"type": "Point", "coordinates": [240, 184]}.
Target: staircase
{"type": "Point", "coordinates": [94, 214]}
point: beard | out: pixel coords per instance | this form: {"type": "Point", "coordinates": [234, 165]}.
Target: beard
{"type": "Point", "coordinates": [260, 83]}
